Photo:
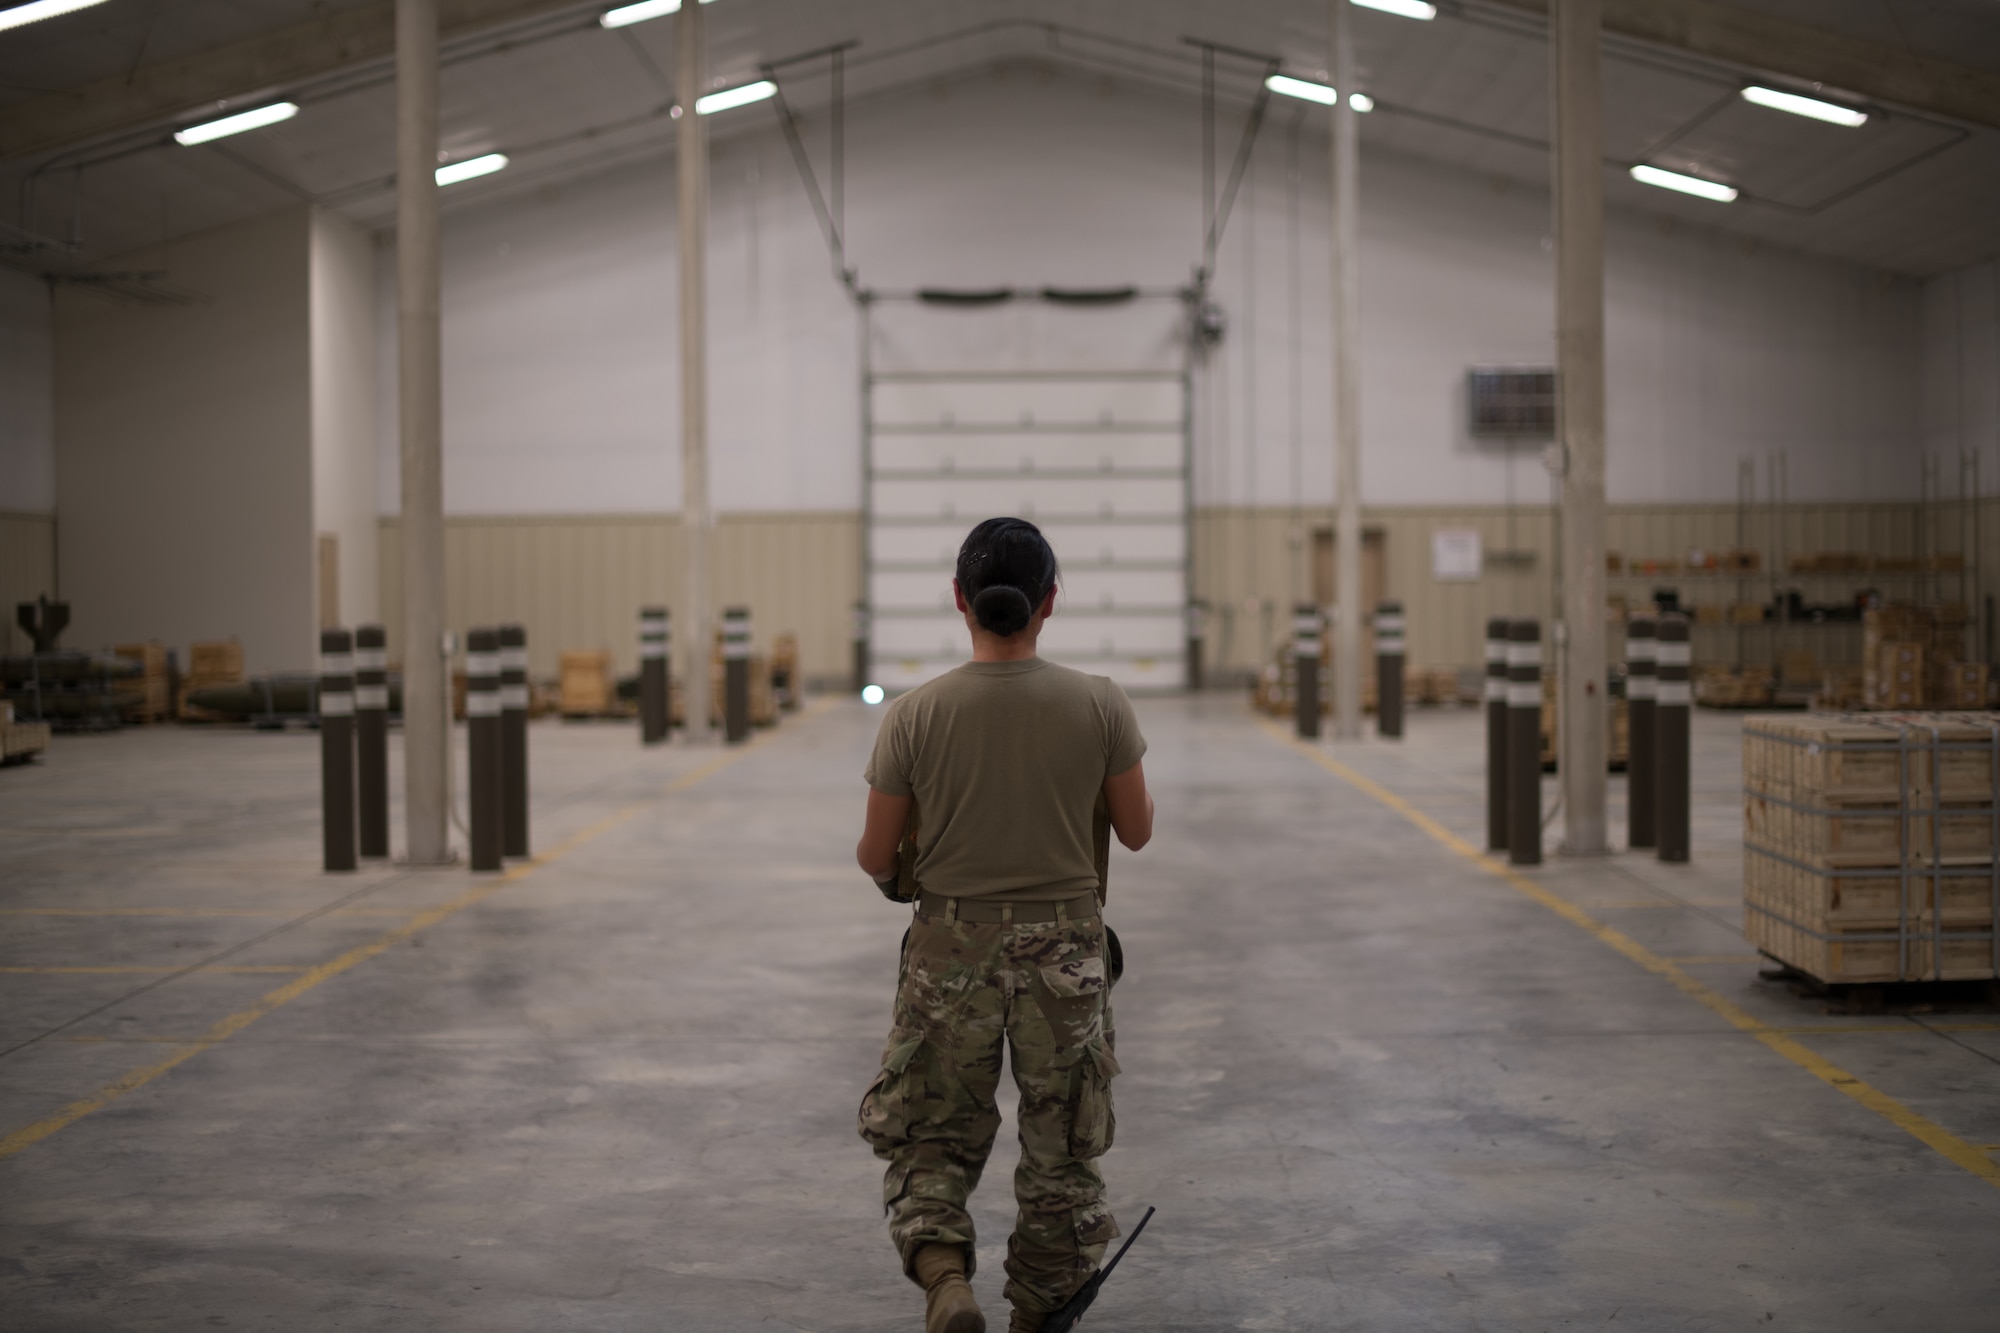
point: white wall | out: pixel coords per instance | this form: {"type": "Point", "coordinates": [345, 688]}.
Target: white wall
{"type": "Point", "coordinates": [342, 314]}
{"type": "Point", "coordinates": [184, 450]}
{"type": "Point", "coordinates": [1961, 371]}
{"type": "Point", "coordinates": [560, 315]}
{"type": "Point", "coordinates": [27, 396]}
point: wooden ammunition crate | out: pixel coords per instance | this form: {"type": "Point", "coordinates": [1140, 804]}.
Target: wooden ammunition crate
{"type": "Point", "coordinates": [22, 741]}
{"type": "Point", "coordinates": [220, 660]}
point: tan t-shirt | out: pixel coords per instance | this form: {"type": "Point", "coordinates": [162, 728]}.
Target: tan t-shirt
{"type": "Point", "coordinates": [1006, 760]}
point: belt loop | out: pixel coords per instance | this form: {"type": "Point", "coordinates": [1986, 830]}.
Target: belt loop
{"type": "Point", "coordinates": [1062, 912]}
{"type": "Point", "coordinates": [1006, 914]}
{"type": "Point", "coordinates": [951, 911]}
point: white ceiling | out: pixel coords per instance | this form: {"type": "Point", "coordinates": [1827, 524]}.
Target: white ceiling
{"type": "Point", "coordinates": [1906, 192]}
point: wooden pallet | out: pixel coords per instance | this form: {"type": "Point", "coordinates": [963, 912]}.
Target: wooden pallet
{"type": "Point", "coordinates": [20, 742]}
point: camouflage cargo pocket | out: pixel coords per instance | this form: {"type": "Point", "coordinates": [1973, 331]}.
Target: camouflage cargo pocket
{"type": "Point", "coordinates": [1094, 1122]}
{"type": "Point", "coordinates": [887, 1106]}
{"type": "Point", "coordinates": [1076, 978]}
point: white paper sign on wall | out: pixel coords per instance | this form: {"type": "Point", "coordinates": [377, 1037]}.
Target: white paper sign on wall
{"type": "Point", "coordinates": [1455, 555]}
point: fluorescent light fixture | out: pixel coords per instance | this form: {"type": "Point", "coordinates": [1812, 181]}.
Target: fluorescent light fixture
{"type": "Point", "coordinates": [41, 9]}
{"type": "Point", "coordinates": [639, 13]}
{"type": "Point", "coordinates": [1409, 9]}
{"type": "Point", "coordinates": [1805, 106]}
{"type": "Point", "coordinates": [1361, 102]}
{"type": "Point", "coordinates": [1673, 180]}
{"type": "Point", "coordinates": [236, 124]}
{"type": "Point", "coordinates": [742, 95]}
{"type": "Point", "coordinates": [1302, 89]}
{"type": "Point", "coordinates": [470, 168]}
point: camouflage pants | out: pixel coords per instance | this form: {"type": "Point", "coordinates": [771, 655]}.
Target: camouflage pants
{"type": "Point", "coordinates": [1042, 990]}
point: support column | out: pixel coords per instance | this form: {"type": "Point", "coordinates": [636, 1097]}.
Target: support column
{"type": "Point", "coordinates": [1579, 177]}
{"type": "Point", "coordinates": [426, 726]}
{"type": "Point", "coordinates": [1346, 381]}
{"type": "Point", "coordinates": [690, 78]}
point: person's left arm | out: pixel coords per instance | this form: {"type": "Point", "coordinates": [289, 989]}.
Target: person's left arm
{"type": "Point", "coordinates": [881, 833]}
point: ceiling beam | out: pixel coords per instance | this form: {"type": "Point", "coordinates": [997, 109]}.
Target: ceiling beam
{"type": "Point", "coordinates": [1800, 52]}
{"type": "Point", "coordinates": [267, 63]}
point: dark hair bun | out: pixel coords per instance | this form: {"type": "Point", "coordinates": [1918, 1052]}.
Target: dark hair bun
{"type": "Point", "coordinates": [1002, 609]}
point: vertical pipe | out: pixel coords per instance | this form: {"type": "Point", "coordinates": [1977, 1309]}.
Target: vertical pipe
{"type": "Point", "coordinates": [1346, 381]}
{"type": "Point", "coordinates": [654, 654]}
{"type": "Point", "coordinates": [736, 673]}
{"type": "Point", "coordinates": [513, 641]}
{"type": "Point", "coordinates": [336, 746]}
{"type": "Point", "coordinates": [1389, 670]}
{"type": "Point", "coordinates": [1579, 230]}
{"type": "Point", "coordinates": [1305, 669]}
{"type": "Point", "coordinates": [693, 149]}
{"type": "Point", "coordinates": [860, 646]}
{"type": "Point", "coordinates": [1670, 733]}
{"type": "Point", "coordinates": [1496, 734]}
{"type": "Point", "coordinates": [482, 744]}
{"type": "Point", "coordinates": [1524, 743]}
{"type": "Point", "coordinates": [371, 737]}
{"type": "Point", "coordinates": [1641, 695]}
{"type": "Point", "coordinates": [426, 723]}
{"type": "Point", "coordinates": [1197, 630]}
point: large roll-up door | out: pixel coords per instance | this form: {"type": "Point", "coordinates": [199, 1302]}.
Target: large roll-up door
{"type": "Point", "coordinates": [1098, 460]}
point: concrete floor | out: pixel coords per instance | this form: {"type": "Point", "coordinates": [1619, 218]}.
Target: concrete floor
{"type": "Point", "coordinates": [1368, 1083]}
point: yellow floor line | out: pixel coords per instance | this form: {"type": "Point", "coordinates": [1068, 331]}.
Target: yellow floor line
{"type": "Point", "coordinates": [152, 971]}
{"type": "Point", "coordinates": [313, 976]}
{"type": "Point", "coordinates": [1926, 1131]}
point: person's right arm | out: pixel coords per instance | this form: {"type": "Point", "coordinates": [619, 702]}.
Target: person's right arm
{"type": "Point", "coordinates": [1130, 806]}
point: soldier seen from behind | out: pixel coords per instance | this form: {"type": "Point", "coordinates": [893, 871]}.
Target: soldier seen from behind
{"type": "Point", "coordinates": [992, 793]}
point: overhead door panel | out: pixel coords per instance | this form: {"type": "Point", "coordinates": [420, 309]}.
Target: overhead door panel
{"type": "Point", "coordinates": [1099, 462]}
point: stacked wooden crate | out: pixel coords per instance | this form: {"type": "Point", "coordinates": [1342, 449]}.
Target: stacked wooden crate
{"type": "Point", "coordinates": [763, 700]}
{"type": "Point", "coordinates": [20, 741]}
{"type": "Point", "coordinates": [148, 696]}
{"type": "Point", "coordinates": [1617, 732]}
{"type": "Point", "coordinates": [1868, 844]}
{"type": "Point", "coordinates": [1914, 657]}
{"type": "Point", "coordinates": [219, 662]}
{"type": "Point", "coordinates": [585, 688]}
{"type": "Point", "coordinates": [1733, 687]}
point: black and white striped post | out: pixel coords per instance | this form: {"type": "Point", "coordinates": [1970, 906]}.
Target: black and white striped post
{"type": "Point", "coordinates": [1524, 742]}
{"type": "Point", "coordinates": [860, 646]}
{"type": "Point", "coordinates": [371, 737]}
{"type": "Point", "coordinates": [1673, 656]}
{"type": "Point", "coordinates": [1305, 668]}
{"type": "Point", "coordinates": [513, 740]}
{"type": "Point", "coordinates": [736, 673]}
{"type": "Point", "coordinates": [654, 647]}
{"type": "Point", "coordinates": [1389, 670]}
{"type": "Point", "coordinates": [483, 762]}
{"type": "Point", "coordinates": [336, 746]}
{"type": "Point", "coordinates": [1641, 692]}
{"type": "Point", "coordinates": [1197, 642]}
{"type": "Point", "coordinates": [1496, 734]}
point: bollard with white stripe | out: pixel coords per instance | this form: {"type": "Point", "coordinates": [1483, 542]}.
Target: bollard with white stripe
{"type": "Point", "coordinates": [1640, 695]}
{"type": "Point", "coordinates": [655, 632]}
{"type": "Point", "coordinates": [336, 746]}
{"type": "Point", "coordinates": [736, 673]}
{"type": "Point", "coordinates": [860, 646]}
{"type": "Point", "coordinates": [1496, 734]}
{"type": "Point", "coordinates": [371, 737]}
{"type": "Point", "coordinates": [513, 740]}
{"type": "Point", "coordinates": [1524, 742]}
{"type": "Point", "coordinates": [1674, 697]}
{"type": "Point", "coordinates": [483, 762]}
{"type": "Point", "coordinates": [1389, 670]}
{"type": "Point", "coordinates": [1305, 668]}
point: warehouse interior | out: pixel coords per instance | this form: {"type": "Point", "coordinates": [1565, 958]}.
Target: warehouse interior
{"type": "Point", "coordinates": [1308, 330]}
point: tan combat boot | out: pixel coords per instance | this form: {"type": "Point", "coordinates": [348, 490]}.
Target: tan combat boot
{"type": "Point", "coordinates": [1026, 1321]}
{"type": "Point", "coordinates": [948, 1303]}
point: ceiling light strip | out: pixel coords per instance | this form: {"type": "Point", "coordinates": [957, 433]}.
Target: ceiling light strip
{"type": "Point", "coordinates": [471, 168]}
{"type": "Point", "coordinates": [236, 124]}
{"type": "Point", "coordinates": [1829, 112]}
{"type": "Point", "coordinates": [1409, 9]}
{"type": "Point", "coordinates": [626, 15]}
{"type": "Point", "coordinates": [21, 15]}
{"type": "Point", "coordinates": [1674, 180]}
{"type": "Point", "coordinates": [742, 95]}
